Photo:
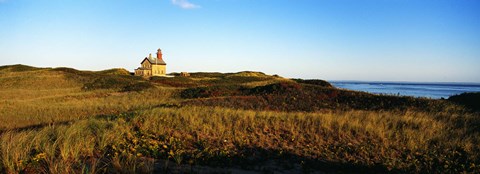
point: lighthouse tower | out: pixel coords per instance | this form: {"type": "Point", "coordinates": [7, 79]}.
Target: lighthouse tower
{"type": "Point", "coordinates": [159, 54]}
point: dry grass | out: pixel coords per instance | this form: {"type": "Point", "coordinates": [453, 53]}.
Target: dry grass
{"type": "Point", "coordinates": [370, 141]}
{"type": "Point", "coordinates": [35, 98]}
{"type": "Point", "coordinates": [403, 141]}
{"type": "Point", "coordinates": [60, 108]}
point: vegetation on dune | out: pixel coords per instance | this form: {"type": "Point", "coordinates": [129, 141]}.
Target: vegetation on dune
{"type": "Point", "coordinates": [116, 71]}
{"type": "Point", "coordinates": [247, 74]}
{"type": "Point", "coordinates": [117, 79]}
{"type": "Point", "coordinates": [246, 78]}
{"type": "Point", "coordinates": [122, 84]}
{"type": "Point", "coordinates": [470, 100]}
{"type": "Point", "coordinates": [316, 82]}
{"type": "Point", "coordinates": [175, 81]}
{"type": "Point", "coordinates": [18, 68]}
{"type": "Point", "coordinates": [207, 74]}
{"type": "Point", "coordinates": [249, 121]}
{"type": "Point", "coordinates": [48, 96]}
{"type": "Point", "coordinates": [334, 141]}
{"type": "Point", "coordinates": [288, 96]}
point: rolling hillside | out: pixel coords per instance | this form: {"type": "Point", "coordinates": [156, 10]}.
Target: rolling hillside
{"type": "Point", "coordinates": [62, 120]}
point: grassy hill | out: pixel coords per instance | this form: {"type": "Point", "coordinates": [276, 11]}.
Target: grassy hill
{"type": "Point", "coordinates": [62, 120]}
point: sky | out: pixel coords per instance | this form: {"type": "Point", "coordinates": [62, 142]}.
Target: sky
{"type": "Point", "coordinates": [365, 40]}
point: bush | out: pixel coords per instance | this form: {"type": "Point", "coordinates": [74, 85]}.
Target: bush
{"type": "Point", "coordinates": [139, 86]}
{"type": "Point", "coordinates": [470, 100]}
{"type": "Point", "coordinates": [211, 91]}
{"type": "Point", "coordinates": [277, 88]}
{"type": "Point", "coordinates": [317, 82]}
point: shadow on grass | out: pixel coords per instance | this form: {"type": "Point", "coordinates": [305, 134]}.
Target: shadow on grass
{"type": "Point", "coordinates": [256, 159]}
{"type": "Point", "coordinates": [37, 126]}
{"type": "Point", "coordinates": [114, 116]}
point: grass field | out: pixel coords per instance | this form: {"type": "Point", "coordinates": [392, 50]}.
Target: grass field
{"type": "Point", "coordinates": [60, 120]}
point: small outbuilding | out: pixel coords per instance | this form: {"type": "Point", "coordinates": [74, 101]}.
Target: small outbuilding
{"type": "Point", "coordinates": [185, 74]}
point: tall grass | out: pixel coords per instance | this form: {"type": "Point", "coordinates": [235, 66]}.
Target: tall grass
{"type": "Point", "coordinates": [358, 140]}
{"type": "Point", "coordinates": [78, 148]}
{"type": "Point", "coordinates": [403, 141]}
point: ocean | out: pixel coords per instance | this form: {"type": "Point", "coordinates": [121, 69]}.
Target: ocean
{"type": "Point", "coordinates": [415, 89]}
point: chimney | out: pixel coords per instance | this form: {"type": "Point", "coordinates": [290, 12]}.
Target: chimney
{"type": "Point", "coordinates": [150, 56]}
{"type": "Point", "coordinates": [159, 54]}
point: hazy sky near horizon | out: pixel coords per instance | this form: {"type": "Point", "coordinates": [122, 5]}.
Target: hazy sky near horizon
{"type": "Point", "coordinates": [384, 40]}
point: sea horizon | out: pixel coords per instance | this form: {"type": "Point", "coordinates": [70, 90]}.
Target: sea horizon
{"type": "Point", "coordinates": [433, 90]}
{"type": "Point", "coordinates": [403, 82]}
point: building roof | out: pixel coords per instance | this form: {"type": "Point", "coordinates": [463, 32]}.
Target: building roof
{"type": "Point", "coordinates": [154, 62]}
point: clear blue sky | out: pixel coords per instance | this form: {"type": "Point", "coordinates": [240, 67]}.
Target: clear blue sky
{"type": "Point", "coordinates": [385, 40]}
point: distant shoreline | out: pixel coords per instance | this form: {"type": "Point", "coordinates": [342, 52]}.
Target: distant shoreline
{"type": "Point", "coordinates": [407, 83]}
{"type": "Point", "coordinates": [434, 90]}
